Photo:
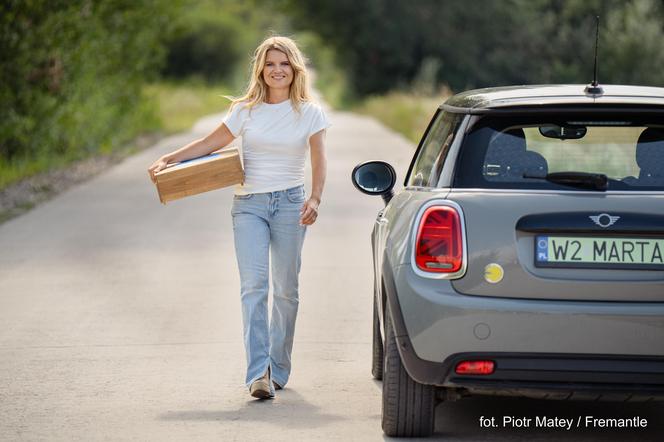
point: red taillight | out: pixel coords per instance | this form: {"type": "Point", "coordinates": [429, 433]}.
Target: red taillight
{"type": "Point", "coordinates": [475, 367]}
{"type": "Point", "coordinates": [438, 247]}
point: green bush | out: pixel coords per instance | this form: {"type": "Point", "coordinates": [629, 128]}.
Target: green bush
{"type": "Point", "coordinates": [214, 40]}
{"type": "Point", "coordinates": [206, 47]}
{"type": "Point", "coordinates": [71, 77]}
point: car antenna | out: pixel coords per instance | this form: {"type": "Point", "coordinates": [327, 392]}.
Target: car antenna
{"type": "Point", "coordinates": [594, 88]}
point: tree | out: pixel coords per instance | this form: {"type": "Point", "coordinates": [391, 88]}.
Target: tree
{"type": "Point", "coordinates": [385, 44]}
{"type": "Point", "coordinates": [72, 71]}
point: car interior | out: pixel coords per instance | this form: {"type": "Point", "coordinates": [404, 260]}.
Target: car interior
{"type": "Point", "coordinates": [508, 159]}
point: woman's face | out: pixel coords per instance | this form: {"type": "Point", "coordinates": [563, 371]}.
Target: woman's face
{"type": "Point", "coordinates": [278, 72]}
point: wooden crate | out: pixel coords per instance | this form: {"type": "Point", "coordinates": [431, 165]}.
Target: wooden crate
{"type": "Point", "coordinates": [219, 169]}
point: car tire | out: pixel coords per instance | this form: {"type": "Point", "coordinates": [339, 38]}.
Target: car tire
{"type": "Point", "coordinates": [408, 406]}
{"type": "Point", "coordinates": [377, 354]}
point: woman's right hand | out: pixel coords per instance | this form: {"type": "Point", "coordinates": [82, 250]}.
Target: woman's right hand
{"type": "Point", "coordinates": [158, 165]}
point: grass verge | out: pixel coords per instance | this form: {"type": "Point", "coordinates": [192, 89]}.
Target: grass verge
{"type": "Point", "coordinates": [180, 105]}
{"type": "Point", "coordinates": [406, 113]}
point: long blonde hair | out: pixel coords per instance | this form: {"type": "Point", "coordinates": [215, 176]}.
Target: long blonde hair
{"type": "Point", "coordinates": [256, 92]}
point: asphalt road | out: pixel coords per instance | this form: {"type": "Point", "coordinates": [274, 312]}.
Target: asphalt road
{"type": "Point", "coordinates": [120, 319]}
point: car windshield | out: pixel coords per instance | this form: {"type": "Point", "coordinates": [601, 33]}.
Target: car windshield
{"type": "Point", "coordinates": [527, 152]}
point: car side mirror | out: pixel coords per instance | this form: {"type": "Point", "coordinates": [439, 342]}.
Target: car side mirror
{"type": "Point", "coordinates": [375, 178]}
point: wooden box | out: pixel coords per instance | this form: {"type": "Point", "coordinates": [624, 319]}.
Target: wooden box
{"type": "Point", "coordinates": [219, 169]}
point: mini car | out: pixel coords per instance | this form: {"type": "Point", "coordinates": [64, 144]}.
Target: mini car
{"type": "Point", "coordinates": [524, 254]}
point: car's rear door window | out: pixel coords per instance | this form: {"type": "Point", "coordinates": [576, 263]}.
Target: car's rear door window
{"type": "Point", "coordinates": [431, 156]}
{"type": "Point", "coordinates": [519, 152]}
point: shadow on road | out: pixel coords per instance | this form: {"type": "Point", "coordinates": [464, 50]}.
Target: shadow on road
{"type": "Point", "coordinates": [279, 411]}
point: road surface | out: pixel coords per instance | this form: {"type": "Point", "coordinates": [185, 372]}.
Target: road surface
{"type": "Point", "coordinates": [120, 318]}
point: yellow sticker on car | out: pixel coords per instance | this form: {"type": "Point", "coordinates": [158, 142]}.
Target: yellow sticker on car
{"type": "Point", "coordinates": [493, 273]}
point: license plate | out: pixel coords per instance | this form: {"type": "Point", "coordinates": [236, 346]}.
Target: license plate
{"type": "Point", "coordinates": [599, 252]}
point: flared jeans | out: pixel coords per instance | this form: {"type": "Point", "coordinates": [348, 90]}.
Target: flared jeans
{"type": "Point", "coordinates": [268, 235]}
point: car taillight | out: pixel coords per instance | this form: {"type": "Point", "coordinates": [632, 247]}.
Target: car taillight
{"type": "Point", "coordinates": [475, 367]}
{"type": "Point", "coordinates": [438, 245]}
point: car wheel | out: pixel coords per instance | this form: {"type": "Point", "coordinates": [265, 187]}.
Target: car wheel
{"type": "Point", "coordinates": [377, 356]}
{"type": "Point", "coordinates": [408, 406]}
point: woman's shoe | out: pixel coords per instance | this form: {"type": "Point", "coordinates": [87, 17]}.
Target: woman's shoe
{"type": "Point", "coordinates": [260, 388]}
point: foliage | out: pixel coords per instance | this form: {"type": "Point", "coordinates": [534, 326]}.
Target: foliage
{"type": "Point", "coordinates": [214, 39]}
{"type": "Point", "coordinates": [635, 49]}
{"type": "Point", "coordinates": [71, 77]}
{"type": "Point", "coordinates": [206, 41]}
{"type": "Point", "coordinates": [387, 44]}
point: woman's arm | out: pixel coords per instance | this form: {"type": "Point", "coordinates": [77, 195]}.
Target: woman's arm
{"type": "Point", "coordinates": [217, 139]}
{"type": "Point", "coordinates": [309, 211]}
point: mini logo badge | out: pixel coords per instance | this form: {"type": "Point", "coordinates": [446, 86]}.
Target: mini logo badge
{"type": "Point", "coordinates": [604, 219]}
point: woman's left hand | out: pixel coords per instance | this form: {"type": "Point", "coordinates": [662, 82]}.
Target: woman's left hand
{"type": "Point", "coordinates": [309, 212]}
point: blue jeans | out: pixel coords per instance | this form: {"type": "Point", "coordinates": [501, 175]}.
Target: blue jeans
{"type": "Point", "coordinates": [266, 228]}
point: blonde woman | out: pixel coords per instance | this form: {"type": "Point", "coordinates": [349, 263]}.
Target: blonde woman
{"type": "Point", "coordinates": [279, 123]}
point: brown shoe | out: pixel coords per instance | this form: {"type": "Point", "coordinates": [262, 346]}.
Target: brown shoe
{"type": "Point", "coordinates": [277, 386]}
{"type": "Point", "coordinates": [260, 388]}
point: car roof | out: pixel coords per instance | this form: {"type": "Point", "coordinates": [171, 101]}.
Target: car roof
{"type": "Point", "coordinates": [483, 100]}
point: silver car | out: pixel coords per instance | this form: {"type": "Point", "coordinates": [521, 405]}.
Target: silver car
{"type": "Point", "coordinates": [525, 254]}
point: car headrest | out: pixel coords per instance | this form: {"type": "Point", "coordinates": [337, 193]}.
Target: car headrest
{"type": "Point", "coordinates": [536, 164]}
{"type": "Point", "coordinates": [650, 150]}
{"type": "Point", "coordinates": [506, 145]}
{"type": "Point", "coordinates": [530, 163]}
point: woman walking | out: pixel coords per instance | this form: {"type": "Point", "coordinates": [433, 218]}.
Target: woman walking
{"type": "Point", "coordinates": [278, 122]}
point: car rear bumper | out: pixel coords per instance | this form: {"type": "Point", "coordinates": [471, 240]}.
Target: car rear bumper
{"type": "Point", "coordinates": [559, 376]}
{"type": "Point", "coordinates": [550, 345]}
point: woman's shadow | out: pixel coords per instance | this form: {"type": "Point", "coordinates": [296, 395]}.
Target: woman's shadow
{"type": "Point", "coordinates": [289, 410]}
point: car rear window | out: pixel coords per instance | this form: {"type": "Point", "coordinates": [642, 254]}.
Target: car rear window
{"type": "Point", "coordinates": [519, 152]}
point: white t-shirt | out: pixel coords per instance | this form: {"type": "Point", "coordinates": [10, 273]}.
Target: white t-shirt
{"type": "Point", "coordinates": [275, 140]}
